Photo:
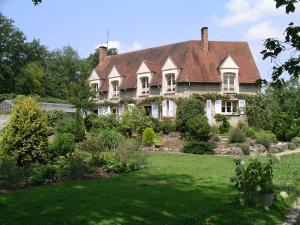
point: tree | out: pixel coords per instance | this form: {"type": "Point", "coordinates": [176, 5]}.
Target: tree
{"type": "Point", "coordinates": [79, 126]}
{"type": "Point", "coordinates": [25, 137]}
{"type": "Point", "coordinates": [94, 57]}
{"type": "Point", "coordinates": [30, 79]}
{"type": "Point", "coordinates": [36, 2]}
{"type": "Point", "coordinates": [276, 49]}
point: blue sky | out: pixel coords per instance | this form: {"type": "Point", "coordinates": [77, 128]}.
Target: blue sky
{"type": "Point", "coordinates": [136, 24]}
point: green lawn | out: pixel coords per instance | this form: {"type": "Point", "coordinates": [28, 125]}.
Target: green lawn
{"type": "Point", "coordinates": [176, 189]}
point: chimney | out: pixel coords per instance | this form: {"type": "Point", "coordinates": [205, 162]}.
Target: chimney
{"type": "Point", "coordinates": [204, 38]}
{"type": "Point", "coordinates": [102, 54]}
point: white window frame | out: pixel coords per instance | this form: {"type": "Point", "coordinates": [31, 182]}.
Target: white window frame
{"type": "Point", "coordinates": [227, 78]}
{"type": "Point", "coordinates": [144, 85]}
{"type": "Point", "coordinates": [172, 86]}
{"type": "Point", "coordinates": [232, 105]}
{"type": "Point", "coordinates": [115, 89]}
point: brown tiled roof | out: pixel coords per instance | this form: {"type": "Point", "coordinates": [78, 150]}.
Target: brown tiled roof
{"type": "Point", "coordinates": [196, 65]}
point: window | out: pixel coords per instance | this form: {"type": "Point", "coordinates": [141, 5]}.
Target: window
{"type": "Point", "coordinates": [170, 82]}
{"type": "Point", "coordinates": [115, 89]}
{"type": "Point", "coordinates": [145, 85]}
{"type": "Point", "coordinates": [95, 88]}
{"type": "Point", "coordinates": [229, 107]}
{"type": "Point", "coordinates": [228, 82]}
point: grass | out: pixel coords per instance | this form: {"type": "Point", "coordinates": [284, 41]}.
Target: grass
{"type": "Point", "coordinates": [177, 189]}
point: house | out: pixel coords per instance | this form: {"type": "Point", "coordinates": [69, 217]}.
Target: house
{"type": "Point", "coordinates": [7, 106]}
{"type": "Point", "coordinates": [177, 71]}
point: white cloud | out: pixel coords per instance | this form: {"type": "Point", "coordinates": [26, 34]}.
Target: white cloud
{"type": "Point", "coordinates": [243, 11]}
{"type": "Point", "coordinates": [122, 47]}
{"type": "Point", "coordinates": [263, 30]}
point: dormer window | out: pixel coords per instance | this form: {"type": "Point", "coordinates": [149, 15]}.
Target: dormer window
{"type": "Point", "coordinates": [170, 78]}
{"type": "Point", "coordinates": [95, 87]}
{"type": "Point", "coordinates": [115, 89]}
{"type": "Point", "coordinates": [145, 85]}
{"type": "Point", "coordinates": [228, 82]}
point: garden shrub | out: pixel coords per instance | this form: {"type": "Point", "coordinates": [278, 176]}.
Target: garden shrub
{"type": "Point", "coordinates": [167, 125]}
{"type": "Point", "coordinates": [149, 136]}
{"type": "Point", "coordinates": [62, 144]}
{"type": "Point", "coordinates": [245, 148]}
{"type": "Point", "coordinates": [53, 116]}
{"type": "Point", "coordinates": [10, 173]}
{"type": "Point", "coordinates": [187, 109]}
{"type": "Point", "coordinates": [79, 164]}
{"type": "Point", "coordinates": [224, 125]}
{"type": "Point", "coordinates": [41, 174]}
{"type": "Point", "coordinates": [98, 159]}
{"type": "Point", "coordinates": [135, 121]}
{"type": "Point", "coordinates": [198, 128]}
{"type": "Point", "coordinates": [109, 139]}
{"type": "Point", "coordinates": [264, 140]}
{"type": "Point", "coordinates": [50, 131]}
{"type": "Point", "coordinates": [199, 147]}
{"type": "Point", "coordinates": [296, 141]}
{"type": "Point", "coordinates": [291, 146]}
{"type": "Point", "coordinates": [79, 129]}
{"type": "Point", "coordinates": [92, 143]}
{"type": "Point", "coordinates": [94, 122]}
{"type": "Point", "coordinates": [285, 128]}
{"type": "Point", "coordinates": [237, 136]}
{"type": "Point", "coordinates": [66, 125]}
{"type": "Point", "coordinates": [25, 136]}
{"type": "Point", "coordinates": [254, 178]}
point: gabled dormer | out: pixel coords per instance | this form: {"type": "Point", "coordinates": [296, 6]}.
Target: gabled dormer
{"type": "Point", "coordinates": [170, 73]}
{"type": "Point", "coordinates": [229, 72]}
{"type": "Point", "coordinates": [115, 78]}
{"type": "Point", "coordinates": [144, 77]}
{"type": "Point", "coordinates": [94, 82]}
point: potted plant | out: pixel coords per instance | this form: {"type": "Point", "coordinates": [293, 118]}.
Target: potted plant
{"type": "Point", "coordinates": [254, 180]}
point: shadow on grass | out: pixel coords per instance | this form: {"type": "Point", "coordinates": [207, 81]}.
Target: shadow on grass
{"type": "Point", "coordinates": [132, 199]}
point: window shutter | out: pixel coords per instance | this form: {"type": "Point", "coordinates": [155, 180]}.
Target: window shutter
{"type": "Point", "coordinates": [154, 110]}
{"type": "Point", "coordinates": [108, 112]}
{"type": "Point", "coordinates": [242, 105]}
{"type": "Point", "coordinates": [101, 110]}
{"type": "Point", "coordinates": [171, 109]}
{"type": "Point", "coordinates": [218, 106]}
{"type": "Point", "coordinates": [164, 108]}
{"type": "Point", "coordinates": [208, 110]}
{"type": "Point", "coordinates": [121, 109]}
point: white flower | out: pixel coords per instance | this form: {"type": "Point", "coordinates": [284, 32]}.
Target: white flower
{"type": "Point", "coordinates": [267, 208]}
{"type": "Point", "coordinates": [258, 188]}
{"type": "Point", "coordinates": [284, 195]}
{"type": "Point", "coordinates": [243, 162]}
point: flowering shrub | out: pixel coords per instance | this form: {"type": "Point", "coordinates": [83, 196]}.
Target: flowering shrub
{"type": "Point", "coordinates": [253, 178]}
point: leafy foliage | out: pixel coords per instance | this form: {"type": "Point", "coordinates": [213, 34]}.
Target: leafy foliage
{"type": "Point", "coordinates": [198, 128]}
{"type": "Point", "coordinates": [79, 129]}
{"type": "Point", "coordinates": [109, 139]}
{"type": "Point", "coordinates": [65, 125]}
{"type": "Point", "coordinates": [94, 122]}
{"type": "Point", "coordinates": [199, 147]}
{"type": "Point", "coordinates": [149, 136]}
{"type": "Point", "coordinates": [166, 125]}
{"type": "Point", "coordinates": [53, 116]}
{"type": "Point", "coordinates": [25, 137]}
{"type": "Point", "coordinates": [62, 144]}
{"type": "Point", "coordinates": [186, 109]}
{"type": "Point", "coordinates": [237, 136]}
{"type": "Point", "coordinates": [10, 173]}
{"type": "Point", "coordinates": [224, 125]}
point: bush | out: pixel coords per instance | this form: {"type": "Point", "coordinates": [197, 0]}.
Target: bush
{"type": "Point", "coordinates": [78, 164]}
{"type": "Point", "coordinates": [66, 125]}
{"type": "Point", "coordinates": [237, 136]}
{"type": "Point", "coordinates": [109, 139]}
{"type": "Point", "coordinates": [41, 174]}
{"type": "Point", "coordinates": [245, 148]}
{"type": "Point", "coordinates": [50, 131]}
{"type": "Point", "coordinates": [10, 173]}
{"type": "Point", "coordinates": [186, 109]}
{"type": "Point", "coordinates": [135, 121]}
{"type": "Point", "coordinates": [79, 129]}
{"type": "Point", "coordinates": [92, 143]}
{"type": "Point", "coordinates": [149, 136]}
{"type": "Point", "coordinates": [62, 144]}
{"type": "Point", "coordinates": [291, 146]}
{"type": "Point", "coordinates": [296, 141]}
{"type": "Point", "coordinates": [94, 122]}
{"type": "Point", "coordinates": [254, 178]}
{"type": "Point", "coordinates": [199, 147]}
{"type": "Point", "coordinates": [224, 125]}
{"type": "Point", "coordinates": [53, 116]}
{"type": "Point", "coordinates": [265, 141]}
{"type": "Point", "coordinates": [25, 136]}
{"type": "Point", "coordinates": [167, 125]}
{"type": "Point", "coordinates": [198, 128]}
{"type": "Point", "coordinates": [285, 128]}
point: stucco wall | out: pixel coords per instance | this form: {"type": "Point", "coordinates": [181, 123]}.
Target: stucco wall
{"type": "Point", "coordinates": [130, 93]}
{"type": "Point", "coordinates": [185, 89]}
{"type": "Point", "coordinates": [249, 88]}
